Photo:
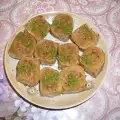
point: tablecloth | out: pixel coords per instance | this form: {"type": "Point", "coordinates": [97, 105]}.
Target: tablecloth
{"type": "Point", "coordinates": [105, 15]}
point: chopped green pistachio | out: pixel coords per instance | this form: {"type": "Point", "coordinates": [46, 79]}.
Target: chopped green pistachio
{"type": "Point", "coordinates": [49, 51]}
{"type": "Point", "coordinates": [67, 28]}
{"type": "Point", "coordinates": [22, 38]}
{"type": "Point", "coordinates": [38, 27]}
{"type": "Point", "coordinates": [51, 77]}
{"type": "Point", "coordinates": [56, 23]}
{"type": "Point", "coordinates": [42, 29]}
{"type": "Point", "coordinates": [32, 25]}
{"type": "Point", "coordinates": [87, 29]}
{"type": "Point", "coordinates": [64, 57]}
{"type": "Point", "coordinates": [26, 67]}
{"type": "Point", "coordinates": [53, 52]}
{"type": "Point", "coordinates": [85, 59]}
{"type": "Point", "coordinates": [28, 43]}
{"type": "Point", "coordinates": [72, 80]}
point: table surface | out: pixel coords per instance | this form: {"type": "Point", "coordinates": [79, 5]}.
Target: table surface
{"type": "Point", "coordinates": [105, 15]}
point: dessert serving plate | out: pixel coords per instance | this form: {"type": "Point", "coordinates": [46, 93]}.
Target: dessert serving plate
{"type": "Point", "coordinates": [32, 94]}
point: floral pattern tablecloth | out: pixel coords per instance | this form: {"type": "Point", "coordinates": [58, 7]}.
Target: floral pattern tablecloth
{"type": "Point", "coordinates": [104, 14]}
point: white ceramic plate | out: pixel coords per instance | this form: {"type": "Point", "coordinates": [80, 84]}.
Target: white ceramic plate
{"type": "Point", "coordinates": [59, 102]}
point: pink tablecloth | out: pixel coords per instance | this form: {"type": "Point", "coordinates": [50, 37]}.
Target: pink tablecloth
{"type": "Point", "coordinates": [105, 14]}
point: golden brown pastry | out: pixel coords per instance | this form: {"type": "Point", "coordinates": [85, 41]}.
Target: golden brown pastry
{"type": "Point", "coordinates": [38, 27]}
{"type": "Point", "coordinates": [62, 27]}
{"type": "Point", "coordinates": [46, 51]}
{"type": "Point", "coordinates": [22, 45]}
{"type": "Point", "coordinates": [84, 37]}
{"type": "Point", "coordinates": [67, 55]}
{"type": "Point", "coordinates": [50, 84]}
{"type": "Point", "coordinates": [73, 79]}
{"type": "Point", "coordinates": [28, 71]}
{"type": "Point", "coordinates": [93, 60]}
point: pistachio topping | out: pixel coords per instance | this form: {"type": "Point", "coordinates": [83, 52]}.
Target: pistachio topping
{"type": "Point", "coordinates": [26, 67]}
{"type": "Point", "coordinates": [51, 77]}
{"type": "Point", "coordinates": [72, 80]}
{"type": "Point", "coordinates": [28, 43]}
{"type": "Point", "coordinates": [53, 52]}
{"type": "Point", "coordinates": [64, 57]}
{"type": "Point", "coordinates": [67, 28]}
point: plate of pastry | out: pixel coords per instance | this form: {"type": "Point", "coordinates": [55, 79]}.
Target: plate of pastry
{"type": "Point", "coordinates": [56, 60]}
